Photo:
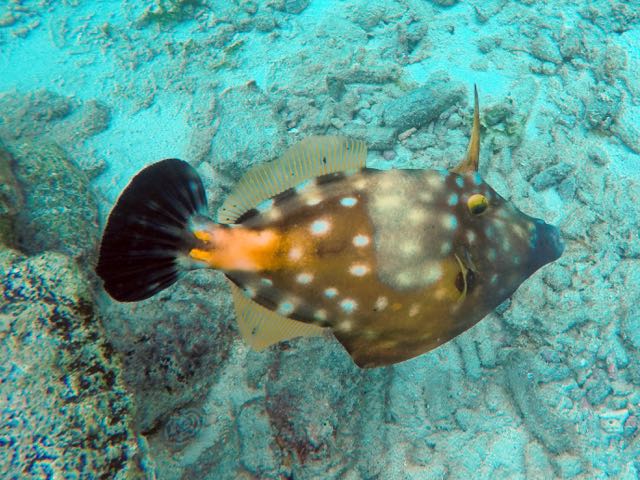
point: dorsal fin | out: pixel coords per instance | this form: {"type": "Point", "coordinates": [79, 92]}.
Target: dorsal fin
{"type": "Point", "coordinates": [261, 327]}
{"type": "Point", "coordinates": [470, 161]}
{"type": "Point", "coordinates": [309, 158]}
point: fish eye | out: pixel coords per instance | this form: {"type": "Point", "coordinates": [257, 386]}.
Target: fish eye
{"type": "Point", "coordinates": [477, 203]}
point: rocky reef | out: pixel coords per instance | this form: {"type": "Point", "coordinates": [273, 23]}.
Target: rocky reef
{"type": "Point", "coordinates": [65, 410]}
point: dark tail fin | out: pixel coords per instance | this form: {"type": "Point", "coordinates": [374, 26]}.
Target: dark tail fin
{"type": "Point", "coordinates": [148, 230]}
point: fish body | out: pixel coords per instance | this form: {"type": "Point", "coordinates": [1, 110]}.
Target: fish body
{"type": "Point", "coordinates": [393, 262]}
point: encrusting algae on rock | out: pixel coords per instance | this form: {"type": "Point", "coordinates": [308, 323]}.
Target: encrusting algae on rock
{"type": "Point", "coordinates": [393, 262]}
{"type": "Point", "coordinates": [66, 412]}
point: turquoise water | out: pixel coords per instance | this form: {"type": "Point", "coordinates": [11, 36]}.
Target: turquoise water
{"type": "Point", "coordinates": [547, 386]}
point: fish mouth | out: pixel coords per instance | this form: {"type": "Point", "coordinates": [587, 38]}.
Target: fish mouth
{"type": "Point", "coordinates": [547, 246]}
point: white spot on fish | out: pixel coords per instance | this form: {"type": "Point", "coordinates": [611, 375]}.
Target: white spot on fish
{"type": "Point", "coordinates": [348, 201]}
{"type": "Point", "coordinates": [434, 181]}
{"type": "Point", "coordinates": [360, 184]}
{"type": "Point", "coordinates": [417, 216]}
{"type": "Point", "coordinates": [477, 179]}
{"type": "Point", "coordinates": [285, 308]}
{"type": "Point", "coordinates": [388, 181]}
{"type": "Point", "coordinates": [409, 248]}
{"type": "Point", "coordinates": [358, 270]}
{"type": "Point", "coordinates": [404, 279]}
{"type": "Point", "coordinates": [274, 214]}
{"type": "Point", "coordinates": [518, 230]}
{"type": "Point", "coordinates": [452, 201]}
{"type": "Point", "coordinates": [331, 292]}
{"type": "Point", "coordinates": [426, 197]}
{"type": "Point", "coordinates": [388, 202]}
{"type": "Point", "coordinates": [249, 291]}
{"type": "Point", "coordinates": [320, 227]}
{"type": "Point", "coordinates": [381, 303]}
{"type": "Point", "coordinates": [432, 272]}
{"type": "Point", "coordinates": [501, 229]}
{"type": "Point", "coordinates": [312, 199]}
{"type": "Point", "coordinates": [414, 309]}
{"type": "Point", "coordinates": [491, 254]}
{"type": "Point", "coordinates": [369, 334]}
{"type": "Point", "coordinates": [445, 248]}
{"type": "Point", "coordinates": [471, 236]}
{"type": "Point", "coordinates": [304, 278]}
{"type": "Point", "coordinates": [460, 181]}
{"type": "Point", "coordinates": [361, 240]}
{"type": "Point", "coordinates": [320, 315]}
{"type": "Point", "coordinates": [266, 281]}
{"type": "Point", "coordinates": [440, 293]}
{"type": "Point", "coordinates": [348, 305]}
{"type": "Point", "coordinates": [295, 253]}
{"type": "Point", "coordinates": [454, 307]}
{"type": "Point", "coordinates": [388, 344]}
{"type": "Point", "coordinates": [345, 326]}
{"type": "Point", "coordinates": [450, 222]}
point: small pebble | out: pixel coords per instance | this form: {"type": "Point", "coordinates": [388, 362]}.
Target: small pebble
{"type": "Point", "coordinates": [389, 154]}
{"type": "Point", "coordinates": [407, 133]}
{"type": "Point", "coordinates": [613, 421]}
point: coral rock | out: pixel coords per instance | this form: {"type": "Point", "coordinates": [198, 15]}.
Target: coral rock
{"type": "Point", "coordinates": [65, 412]}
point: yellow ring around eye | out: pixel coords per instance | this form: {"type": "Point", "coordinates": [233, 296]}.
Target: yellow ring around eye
{"type": "Point", "coordinates": [477, 203]}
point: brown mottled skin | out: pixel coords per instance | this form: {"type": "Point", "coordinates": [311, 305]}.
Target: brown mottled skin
{"type": "Point", "coordinates": [420, 313]}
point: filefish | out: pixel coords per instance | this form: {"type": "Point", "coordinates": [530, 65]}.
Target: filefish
{"type": "Point", "coordinates": [393, 262]}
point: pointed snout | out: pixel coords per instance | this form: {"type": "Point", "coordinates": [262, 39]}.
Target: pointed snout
{"type": "Point", "coordinates": [547, 246]}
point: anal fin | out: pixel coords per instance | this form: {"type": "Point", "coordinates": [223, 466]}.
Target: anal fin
{"type": "Point", "coordinates": [261, 327]}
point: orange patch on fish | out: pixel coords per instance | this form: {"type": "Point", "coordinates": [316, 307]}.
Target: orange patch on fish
{"type": "Point", "coordinates": [238, 249]}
